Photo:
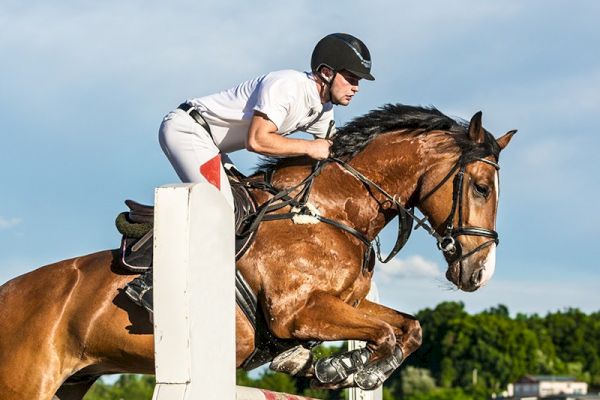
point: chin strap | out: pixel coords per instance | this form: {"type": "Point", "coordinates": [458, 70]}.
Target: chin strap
{"type": "Point", "coordinates": [328, 83]}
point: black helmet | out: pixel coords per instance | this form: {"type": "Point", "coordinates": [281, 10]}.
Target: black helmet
{"type": "Point", "coordinates": [341, 51]}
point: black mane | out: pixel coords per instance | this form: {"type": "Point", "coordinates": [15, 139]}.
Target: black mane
{"type": "Point", "coordinates": [353, 137]}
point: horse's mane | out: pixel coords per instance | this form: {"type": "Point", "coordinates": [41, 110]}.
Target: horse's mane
{"type": "Point", "coordinates": [353, 137]}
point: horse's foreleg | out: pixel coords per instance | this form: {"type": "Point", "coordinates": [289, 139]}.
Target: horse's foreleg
{"type": "Point", "coordinates": [326, 317]}
{"type": "Point", "coordinates": [390, 337]}
{"type": "Point", "coordinates": [374, 373]}
{"type": "Point", "coordinates": [406, 327]}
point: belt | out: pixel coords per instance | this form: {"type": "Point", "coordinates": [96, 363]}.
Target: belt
{"type": "Point", "coordinates": [195, 114]}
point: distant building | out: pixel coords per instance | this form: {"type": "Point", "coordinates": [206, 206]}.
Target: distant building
{"type": "Point", "coordinates": [541, 386]}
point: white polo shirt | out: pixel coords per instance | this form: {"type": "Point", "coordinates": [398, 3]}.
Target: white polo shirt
{"type": "Point", "coordinates": [288, 98]}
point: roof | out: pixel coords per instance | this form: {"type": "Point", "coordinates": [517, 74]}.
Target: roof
{"type": "Point", "coordinates": [546, 378]}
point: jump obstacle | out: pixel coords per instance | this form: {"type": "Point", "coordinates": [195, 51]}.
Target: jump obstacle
{"type": "Point", "coordinates": [194, 286]}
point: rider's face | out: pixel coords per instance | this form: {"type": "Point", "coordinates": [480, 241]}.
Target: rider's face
{"type": "Point", "coordinates": [344, 87]}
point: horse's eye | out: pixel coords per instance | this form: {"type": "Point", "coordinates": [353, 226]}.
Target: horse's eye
{"type": "Point", "coordinates": [481, 190]}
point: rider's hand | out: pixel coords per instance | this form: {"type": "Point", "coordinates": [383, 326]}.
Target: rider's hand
{"type": "Point", "coordinates": [318, 149]}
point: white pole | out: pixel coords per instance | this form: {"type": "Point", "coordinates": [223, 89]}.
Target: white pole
{"type": "Point", "coordinates": [356, 393]}
{"type": "Point", "coordinates": [194, 296]}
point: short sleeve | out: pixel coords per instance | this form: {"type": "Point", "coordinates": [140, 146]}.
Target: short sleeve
{"type": "Point", "coordinates": [275, 96]}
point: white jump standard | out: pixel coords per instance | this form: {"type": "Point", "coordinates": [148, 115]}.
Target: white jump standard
{"type": "Point", "coordinates": [194, 270]}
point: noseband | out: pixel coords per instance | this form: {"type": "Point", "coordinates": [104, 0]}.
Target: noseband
{"type": "Point", "coordinates": [447, 242]}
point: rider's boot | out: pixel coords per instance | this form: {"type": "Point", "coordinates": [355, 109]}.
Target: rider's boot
{"type": "Point", "coordinates": [140, 291]}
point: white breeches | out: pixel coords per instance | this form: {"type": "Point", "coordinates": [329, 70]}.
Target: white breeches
{"type": "Point", "coordinates": [192, 152]}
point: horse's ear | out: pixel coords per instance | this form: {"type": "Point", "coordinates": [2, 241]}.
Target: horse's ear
{"type": "Point", "coordinates": [476, 132]}
{"type": "Point", "coordinates": [505, 139]}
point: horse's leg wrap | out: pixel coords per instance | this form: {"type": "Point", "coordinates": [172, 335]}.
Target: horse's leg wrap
{"type": "Point", "coordinates": [336, 368]}
{"type": "Point", "coordinates": [374, 374]}
{"type": "Point", "coordinates": [295, 361]}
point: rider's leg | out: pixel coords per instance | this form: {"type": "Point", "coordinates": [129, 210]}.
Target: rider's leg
{"type": "Point", "coordinates": [195, 157]}
{"type": "Point", "coordinates": [192, 152]}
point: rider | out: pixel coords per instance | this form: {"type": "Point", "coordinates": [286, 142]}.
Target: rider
{"type": "Point", "coordinates": [258, 115]}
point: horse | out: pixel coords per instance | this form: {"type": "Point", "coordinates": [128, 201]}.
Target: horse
{"type": "Point", "coordinates": [66, 324]}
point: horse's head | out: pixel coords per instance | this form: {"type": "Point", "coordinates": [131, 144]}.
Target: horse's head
{"type": "Point", "coordinates": [460, 198]}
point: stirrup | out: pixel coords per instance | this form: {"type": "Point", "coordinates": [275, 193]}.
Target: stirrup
{"type": "Point", "coordinates": [140, 292]}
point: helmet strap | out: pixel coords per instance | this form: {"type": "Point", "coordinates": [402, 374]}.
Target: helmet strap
{"type": "Point", "coordinates": [328, 82]}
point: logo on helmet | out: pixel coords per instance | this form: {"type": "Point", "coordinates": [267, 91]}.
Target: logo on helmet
{"type": "Point", "coordinates": [365, 63]}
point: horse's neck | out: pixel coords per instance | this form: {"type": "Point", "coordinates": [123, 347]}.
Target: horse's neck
{"type": "Point", "coordinates": [396, 167]}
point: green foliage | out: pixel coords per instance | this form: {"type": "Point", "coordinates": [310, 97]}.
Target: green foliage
{"type": "Point", "coordinates": [442, 394]}
{"type": "Point", "coordinates": [416, 381]}
{"type": "Point", "coordinates": [130, 387]}
{"type": "Point", "coordinates": [482, 353]}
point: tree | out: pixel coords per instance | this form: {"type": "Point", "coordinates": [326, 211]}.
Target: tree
{"type": "Point", "coordinates": [127, 387]}
{"type": "Point", "coordinates": [416, 381]}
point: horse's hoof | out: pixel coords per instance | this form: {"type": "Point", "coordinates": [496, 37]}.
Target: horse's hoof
{"type": "Point", "coordinates": [295, 361]}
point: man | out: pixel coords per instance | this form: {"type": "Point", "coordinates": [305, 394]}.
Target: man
{"type": "Point", "coordinates": [258, 115]}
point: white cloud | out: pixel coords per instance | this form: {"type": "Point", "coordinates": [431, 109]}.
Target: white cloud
{"type": "Point", "coordinates": [413, 267]}
{"type": "Point", "coordinates": [7, 223]}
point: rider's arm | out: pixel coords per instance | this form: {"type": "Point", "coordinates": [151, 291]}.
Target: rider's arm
{"type": "Point", "coordinates": [264, 139]}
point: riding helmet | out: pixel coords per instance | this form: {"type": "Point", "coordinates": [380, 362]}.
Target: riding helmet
{"type": "Point", "coordinates": [341, 51]}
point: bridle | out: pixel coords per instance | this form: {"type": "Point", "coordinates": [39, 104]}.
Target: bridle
{"type": "Point", "coordinates": [447, 242]}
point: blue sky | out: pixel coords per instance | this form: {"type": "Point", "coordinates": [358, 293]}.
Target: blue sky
{"type": "Point", "coordinates": [84, 86]}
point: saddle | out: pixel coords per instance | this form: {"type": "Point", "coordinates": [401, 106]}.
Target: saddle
{"type": "Point", "coordinates": [136, 226]}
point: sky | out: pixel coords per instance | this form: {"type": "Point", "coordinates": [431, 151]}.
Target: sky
{"type": "Point", "coordinates": [85, 84]}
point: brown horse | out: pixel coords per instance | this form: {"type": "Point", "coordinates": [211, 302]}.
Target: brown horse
{"type": "Point", "coordinates": [65, 324]}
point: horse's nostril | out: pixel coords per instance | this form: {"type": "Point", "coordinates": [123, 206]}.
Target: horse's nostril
{"type": "Point", "coordinates": [477, 276]}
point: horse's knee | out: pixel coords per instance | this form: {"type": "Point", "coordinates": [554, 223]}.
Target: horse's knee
{"type": "Point", "coordinates": [385, 342]}
{"type": "Point", "coordinates": [414, 335]}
